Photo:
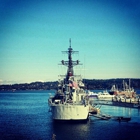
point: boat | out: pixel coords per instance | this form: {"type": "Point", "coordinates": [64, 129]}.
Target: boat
{"type": "Point", "coordinates": [105, 96]}
{"type": "Point", "coordinates": [123, 118]}
{"type": "Point", "coordinates": [113, 90]}
{"type": "Point", "coordinates": [92, 94]}
{"type": "Point", "coordinates": [127, 90]}
{"type": "Point", "coordinates": [70, 102]}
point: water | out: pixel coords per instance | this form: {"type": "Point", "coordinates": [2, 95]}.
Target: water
{"type": "Point", "coordinates": [25, 116]}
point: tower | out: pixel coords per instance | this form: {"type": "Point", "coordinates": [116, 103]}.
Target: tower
{"type": "Point", "coordinates": [70, 63]}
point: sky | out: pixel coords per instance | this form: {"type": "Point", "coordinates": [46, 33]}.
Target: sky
{"type": "Point", "coordinates": [34, 32]}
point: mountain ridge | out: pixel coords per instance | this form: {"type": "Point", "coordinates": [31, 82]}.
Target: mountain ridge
{"type": "Point", "coordinates": [91, 84]}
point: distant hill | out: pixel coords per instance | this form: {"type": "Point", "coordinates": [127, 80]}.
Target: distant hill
{"type": "Point", "coordinates": [107, 83]}
{"type": "Point", "coordinates": [90, 84]}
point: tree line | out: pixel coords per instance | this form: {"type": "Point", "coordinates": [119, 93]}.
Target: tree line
{"type": "Point", "coordinates": [90, 84]}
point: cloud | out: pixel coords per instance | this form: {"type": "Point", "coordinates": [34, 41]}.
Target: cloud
{"type": "Point", "coordinates": [1, 82]}
{"type": "Point", "coordinates": [40, 80]}
{"type": "Point", "coordinates": [9, 82]}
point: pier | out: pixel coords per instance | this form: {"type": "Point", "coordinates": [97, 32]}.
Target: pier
{"type": "Point", "coordinates": [119, 103]}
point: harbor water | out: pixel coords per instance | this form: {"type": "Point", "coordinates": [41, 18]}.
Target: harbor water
{"type": "Point", "coordinates": [26, 116]}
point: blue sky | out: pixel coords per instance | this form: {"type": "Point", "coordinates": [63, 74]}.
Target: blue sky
{"type": "Point", "coordinates": [34, 32]}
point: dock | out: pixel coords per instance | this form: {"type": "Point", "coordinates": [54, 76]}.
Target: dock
{"type": "Point", "coordinates": [119, 103]}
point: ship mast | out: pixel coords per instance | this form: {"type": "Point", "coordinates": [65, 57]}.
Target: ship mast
{"type": "Point", "coordinates": [70, 63]}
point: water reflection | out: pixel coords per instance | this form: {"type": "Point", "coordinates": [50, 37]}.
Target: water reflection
{"type": "Point", "coordinates": [71, 130]}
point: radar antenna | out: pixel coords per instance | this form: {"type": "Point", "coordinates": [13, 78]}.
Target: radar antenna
{"type": "Point", "coordinates": [70, 42]}
{"type": "Point", "coordinates": [70, 63]}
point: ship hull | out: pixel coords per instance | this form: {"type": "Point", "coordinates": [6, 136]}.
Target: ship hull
{"type": "Point", "coordinates": [69, 112]}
